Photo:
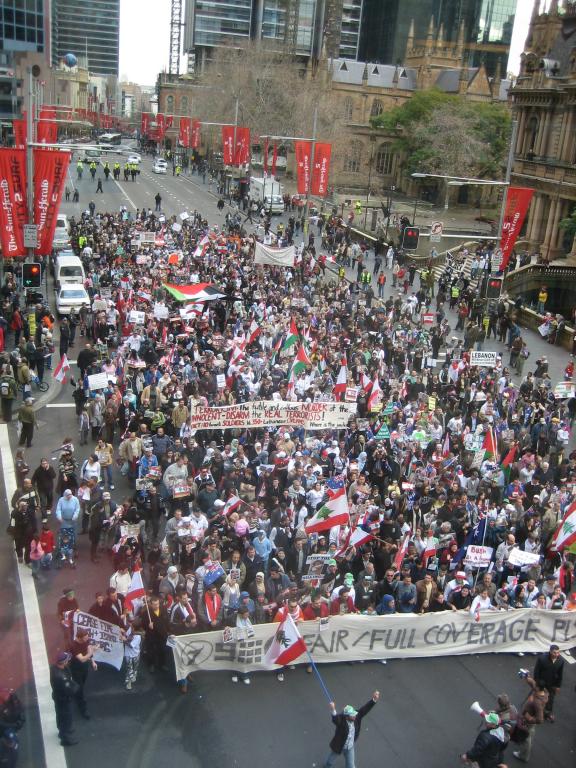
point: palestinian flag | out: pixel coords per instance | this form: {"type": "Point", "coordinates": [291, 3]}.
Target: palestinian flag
{"type": "Point", "coordinates": [195, 292]}
{"type": "Point", "coordinates": [507, 462]}
{"type": "Point", "coordinates": [275, 350]}
{"type": "Point", "coordinates": [300, 361]}
{"type": "Point", "coordinates": [321, 366]}
{"type": "Point", "coordinates": [565, 535]}
{"type": "Point", "coordinates": [334, 512]}
{"type": "Point", "coordinates": [489, 444]}
{"type": "Point", "coordinates": [293, 336]}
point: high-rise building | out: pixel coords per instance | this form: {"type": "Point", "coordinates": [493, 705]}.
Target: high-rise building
{"type": "Point", "coordinates": [487, 26]}
{"type": "Point", "coordinates": [89, 30]}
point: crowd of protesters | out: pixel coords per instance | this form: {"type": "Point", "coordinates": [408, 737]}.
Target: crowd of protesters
{"type": "Point", "coordinates": [440, 454]}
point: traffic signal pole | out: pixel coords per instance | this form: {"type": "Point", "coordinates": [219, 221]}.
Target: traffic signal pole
{"type": "Point", "coordinates": [30, 153]}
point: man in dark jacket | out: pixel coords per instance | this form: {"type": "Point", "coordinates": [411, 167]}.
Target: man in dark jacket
{"type": "Point", "coordinates": [63, 691]}
{"type": "Point", "coordinates": [489, 744]}
{"type": "Point", "coordinates": [548, 673]}
{"type": "Point", "coordinates": [348, 725]}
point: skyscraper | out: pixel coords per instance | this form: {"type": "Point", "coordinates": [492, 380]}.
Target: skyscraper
{"type": "Point", "coordinates": [90, 29]}
{"type": "Point", "coordinates": [487, 27]}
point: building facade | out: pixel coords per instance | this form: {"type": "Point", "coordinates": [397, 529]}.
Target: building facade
{"type": "Point", "coordinates": [544, 106]}
{"type": "Point", "coordinates": [89, 30]}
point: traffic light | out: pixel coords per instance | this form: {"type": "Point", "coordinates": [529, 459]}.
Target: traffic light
{"type": "Point", "coordinates": [494, 287]}
{"type": "Point", "coordinates": [410, 238]}
{"type": "Point", "coordinates": [31, 275]}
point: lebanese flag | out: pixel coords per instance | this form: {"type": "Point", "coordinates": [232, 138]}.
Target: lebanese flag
{"type": "Point", "coordinates": [61, 369]}
{"type": "Point", "coordinates": [489, 444]}
{"type": "Point", "coordinates": [342, 380]}
{"type": "Point", "coordinates": [253, 331]}
{"type": "Point", "coordinates": [365, 383]}
{"type": "Point", "coordinates": [375, 394]}
{"type": "Point", "coordinates": [446, 446]}
{"type": "Point", "coordinates": [135, 592]}
{"type": "Point", "coordinates": [402, 550]}
{"type": "Point", "coordinates": [286, 646]}
{"type": "Point", "coordinates": [237, 353]}
{"type": "Point", "coordinates": [232, 504]}
{"type": "Point", "coordinates": [356, 538]}
{"type": "Point", "coordinates": [334, 512]}
{"type": "Point", "coordinates": [201, 247]}
{"type": "Point", "coordinates": [565, 534]}
{"type": "Point", "coordinates": [429, 550]}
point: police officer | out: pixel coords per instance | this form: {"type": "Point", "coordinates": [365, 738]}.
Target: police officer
{"type": "Point", "coordinates": [116, 170]}
{"type": "Point", "coordinates": [63, 691]}
{"type": "Point", "coordinates": [93, 170]}
{"type": "Point", "coordinates": [79, 169]}
{"type": "Point", "coordinates": [106, 170]}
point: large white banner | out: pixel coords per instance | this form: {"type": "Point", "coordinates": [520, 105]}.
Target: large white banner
{"type": "Point", "coordinates": [104, 635]}
{"type": "Point", "coordinates": [359, 638]}
{"type": "Point", "coordinates": [278, 257]}
{"type": "Point", "coordinates": [263, 413]}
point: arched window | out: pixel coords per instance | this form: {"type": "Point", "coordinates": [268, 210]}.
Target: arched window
{"type": "Point", "coordinates": [377, 108]}
{"type": "Point", "coordinates": [384, 159]}
{"type": "Point", "coordinates": [348, 109]}
{"type": "Point", "coordinates": [170, 105]}
{"type": "Point", "coordinates": [184, 105]}
{"type": "Point", "coordinates": [353, 156]}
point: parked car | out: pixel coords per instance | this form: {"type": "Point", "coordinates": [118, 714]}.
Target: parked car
{"type": "Point", "coordinates": [71, 296]}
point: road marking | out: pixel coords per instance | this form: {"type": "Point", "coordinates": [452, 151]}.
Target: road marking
{"type": "Point", "coordinates": [53, 752]}
{"type": "Point", "coordinates": [60, 405]}
{"type": "Point", "coordinates": [125, 195]}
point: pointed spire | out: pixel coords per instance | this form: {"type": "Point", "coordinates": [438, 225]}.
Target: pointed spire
{"type": "Point", "coordinates": [535, 11]}
{"type": "Point", "coordinates": [440, 38]}
{"type": "Point", "coordinates": [410, 40]}
{"type": "Point", "coordinates": [430, 35]}
{"type": "Point", "coordinates": [553, 10]}
{"type": "Point", "coordinates": [460, 41]}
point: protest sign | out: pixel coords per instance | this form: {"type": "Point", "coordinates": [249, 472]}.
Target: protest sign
{"type": "Point", "coordinates": [519, 557]}
{"type": "Point", "coordinates": [130, 530]}
{"type": "Point", "coordinates": [482, 358]}
{"type": "Point", "coordinates": [221, 380]}
{"type": "Point", "coordinates": [478, 557]}
{"type": "Point", "coordinates": [106, 636]}
{"type": "Point", "coordinates": [351, 394]}
{"type": "Point", "coordinates": [564, 390]}
{"type": "Point", "coordinates": [283, 257]}
{"type": "Point", "coordinates": [98, 381]}
{"type": "Point", "coordinates": [160, 311]}
{"type": "Point", "coordinates": [138, 318]}
{"type": "Point", "coordinates": [262, 413]}
{"type": "Point", "coordinates": [399, 636]}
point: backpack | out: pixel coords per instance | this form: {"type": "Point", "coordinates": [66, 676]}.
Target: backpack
{"type": "Point", "coordinates": [5, 389]}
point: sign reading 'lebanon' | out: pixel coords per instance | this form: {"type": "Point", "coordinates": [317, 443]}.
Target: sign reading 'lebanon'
{"type": "Point", "coordinates": [483, 359]}
{"type": "Point", "coordinates": [263, 413]}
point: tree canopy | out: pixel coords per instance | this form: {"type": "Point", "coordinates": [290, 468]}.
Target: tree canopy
{"type": "Point", "coordinates": [439, 132]}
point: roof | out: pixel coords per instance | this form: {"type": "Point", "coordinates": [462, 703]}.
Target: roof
{"type": "Point", "coordinates": [378, 75]}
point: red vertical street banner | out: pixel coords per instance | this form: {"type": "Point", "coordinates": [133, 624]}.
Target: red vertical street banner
{"type": "Point", "coordinates": [265, 158]}
{"type": "Point", "coordinates": [19, 128]}
{"type": "Point", "coordinates": [160, 127]}
{"type": "Point", "coordinates": [50, 169]}
{"type": "Point", "coordinates": [168, 121]}
{"type": "Point", "coordinates": [322, 155]}
{"type": "Point", "coordinates": [517, 203]}
{"type": "Point", "coordinates": [145, 124]}
{"type": "Point", "coordinates": [274, 159]}
{"type": "Point", "coordinates": [47, 131]}
{"type": "Point", "coordinates": [13, 212]}
{"type": "Point", "coordinates": [228, 144]}
{"type": "Point", "coordinates": [184, 132]}
{"type": "Point", "coordinates": [303, 151]}
{"type": "Point", "coordinates": [195, 135]}
{"type": "Point", "coordinates": [242, 155]}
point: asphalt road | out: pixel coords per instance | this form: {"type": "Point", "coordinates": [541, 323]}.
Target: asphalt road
{"type": "Point", "coordinates": [423, 718]}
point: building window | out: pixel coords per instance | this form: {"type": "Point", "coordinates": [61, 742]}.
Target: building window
{"type": "Point", "coordinates": [348, 109]}
{"type": "Point", "coordinates": [384, 159]}
{"type": "Point", "coordinates": [184, 105]}
{"type": "Point", "coordinates": [170, 105]}
{"type": "Point", "coordinates": [352, 159]}
{"type": "Point", "coordinates": [377, 108]}
{"type": "Point", "coordinates": [532, 134]}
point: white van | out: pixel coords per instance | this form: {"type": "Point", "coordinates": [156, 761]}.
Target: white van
{"type": "Point", "coordinates": [91, 155]}
{"type": "Point", "coordinates": [68, 270]}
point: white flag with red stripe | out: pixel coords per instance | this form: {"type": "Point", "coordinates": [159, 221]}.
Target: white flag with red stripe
{"type": "Point", "coordinates": [375, 394]}
{"type": "Point", "coordinates": [61, 369]}
{"type": "Point", "coordinates": [342, 380]}
{"type": "Point", "coordinates": [356, 538]}
{"type": "Point", "coordinates": [253, 331]}
{"type": "Point", "coordinates": [136, 592]}
{"type": "Point", "coordinates": [287, 645]}
{"type": "Point", "coordinates": [232, 504]}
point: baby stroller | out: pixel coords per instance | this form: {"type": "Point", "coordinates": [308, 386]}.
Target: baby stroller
{"type": "Point", "coordinates": [66, 548]}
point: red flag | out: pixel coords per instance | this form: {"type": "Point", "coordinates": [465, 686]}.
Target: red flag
{"type": "Point", "coordinates": [265, 160]}
{"type": "Point", "coordinates": [13, 211]}
{"type": "Point", "coordinates": [303, 150]}
{"type": "Point", "coordinates": [402, 551]}
{"type": "Point", "coordinates": [510, 456]}
{"type": "Point", "coordinates": [168, 121]}
{"type": "Point", "coordinates": [195, 135]}
{"type": "Point", "coordinates": [228, 144]}
{"type": "Point", "coordinates": [342, 380]}
{"type": "Point", "coordinates": [19, 128]}
{"type": "Point", "coordinates": [446, 446]}
{"type": "Point", "coordinates": [184, 132]}
{"type": "Point", "coordinates": [287, 644]}
{"type": "Point", "coordinates": [242, 154]}
{"type": "Point", "coordinates": [274, 159]}
{"type": "Point", "coordinates": [517, 204]}
{"type": "Point", "coordinates": [160, 127]}
{"type": "Point", "coordinates": [322, 154]}
{"type": "Point", "coordinates": [489, 444]}
{"type": "Point", "coordinates": [136, 590]}
{"type": "Point", "coordinates": [50, 169]}
{"type": "Point", "coordinates": [145, 124]}
{"type": "Point", "coordinates": [47, 131]}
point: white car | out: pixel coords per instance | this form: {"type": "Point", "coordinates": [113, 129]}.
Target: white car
{"type": "Point", "coordinates": [160, 166]}
{"type": "Point", "coordinates": [134, 158]}
{"type": "Point", "coordinates": [61, 239]}
{"type": "Point", "coordinates": [71, 296]}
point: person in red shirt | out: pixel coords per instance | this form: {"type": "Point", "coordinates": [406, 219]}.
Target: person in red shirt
{"type": "Point", "coordinates": [343, 603]}
{"type": "Point", "coordinates": [316, 609]}
{"type": "Point", "coordinates": [47, 543]}
{"type": "Point", "coordinates": [67, 605]}
{"type": "Point", "coordinates": [82, 661]}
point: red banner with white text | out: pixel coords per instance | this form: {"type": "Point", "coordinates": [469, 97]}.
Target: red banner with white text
{"type": "Point", "coordinates": [160, 127]}
{"type": "Point", "coordinates": [184, 132]}
{"type": "Point", "coordinates": [13, 211]}
{"type": "Point", "coordinates": [195, 135]}
{"type": "Point", "coordinates": [168, 122]}
{"type": "Point", "coordinates": [19, 128]}
{"type": "Point", "coordinates": [321, 170]}
{"type": "Point", "coordinates": [228, 144]}
{"type": "Point", "coordinates": [242, 146]}
{"type": "Point", "coordinates": [517, 203]}
{"type": "Point", "coordinates": [47, 131]}
{"type": "Point", "coordinates": [303, 151]}
{"type": "Point", "coordinates": [50, 169]}
{"type": "Point", "coordinates": [145, 123]}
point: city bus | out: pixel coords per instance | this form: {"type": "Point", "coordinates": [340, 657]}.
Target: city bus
{"type": "Point", "coordinates": [110, 138]}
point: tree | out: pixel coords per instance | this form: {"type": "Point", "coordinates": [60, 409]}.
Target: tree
{"type": "Point", "coordinates": [569, 224]}
{"type": "Point", "coordinates": [438, 132]}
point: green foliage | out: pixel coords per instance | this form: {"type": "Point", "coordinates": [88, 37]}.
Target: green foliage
{"type": "Point", "coordinates": [443, 133]}
{"type": "Point", "coordinates": [569, 224]}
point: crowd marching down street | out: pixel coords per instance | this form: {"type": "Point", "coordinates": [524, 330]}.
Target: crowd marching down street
{"type": "Point", "coordinates": [261, 440]}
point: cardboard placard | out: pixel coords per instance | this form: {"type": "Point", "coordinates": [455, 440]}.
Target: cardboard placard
{"type": "Point", "coordinates": [98, 381]}
{"type": "Point", "coordinates": [483, 359]}
{"type": "Point", "coordinates": [138, 318]}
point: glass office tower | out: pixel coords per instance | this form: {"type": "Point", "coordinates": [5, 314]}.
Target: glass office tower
{"type": "Point", "coordinates": [87, 28]}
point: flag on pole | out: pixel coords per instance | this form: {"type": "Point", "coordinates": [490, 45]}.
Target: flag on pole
{"type": "Point", "coordinates": [375, 394]}
{"type": "Point", "coordinates": [293, 336]}
{"type": "Point", "coordinates": [565, 534]}
{"type": "Point", "coordinates": [489, 444]}
{"type": "Point", "coordinates": [507, 462]}
{"type": "Point", "coordinates": [475, 536]}
{"type": "Point", "coordinates": [365, 383]}
{"type": "Point", "coordinates": [334, 512]}
{"type": "Point", "coordinates": [232, 504]}
{"type": "Point", "coordinates": [429, 550]}
{"type": "Point", "coordinates": [402, 549]}
{"type": "Point", "coordinates": [253, 331]}
{"type": "Point", "coordinates": [286, 646]}
{"type": "Point", "coordinates": [342, 380]}
{"type": "Point", "coordinates": [61, 369]}
{"type": "Point", "coordinates": [355, 538]}
{"type": "Point", "coordinates": [300, 361]}
{"type": "Point", "coordinates": [275, 350]}
{"type": "Point", "coordinates": [135, 593]}
{"type": "Point", "coordinates": [446, 446]}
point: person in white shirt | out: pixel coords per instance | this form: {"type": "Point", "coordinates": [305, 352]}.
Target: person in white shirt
{"type": "Point", "coordinates": [132, 646]}
{"type": "Point", "coordinates": [481, 603]}
{"type": "Point", "coordinates": [121, 580]}
{"type": "Point", "coordinates": [198, 524]}
{"type": "Point", "coordinates": [91, 469]}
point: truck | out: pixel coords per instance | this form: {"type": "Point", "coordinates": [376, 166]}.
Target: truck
{"type": "Point", "coordinates": [267, 191]}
